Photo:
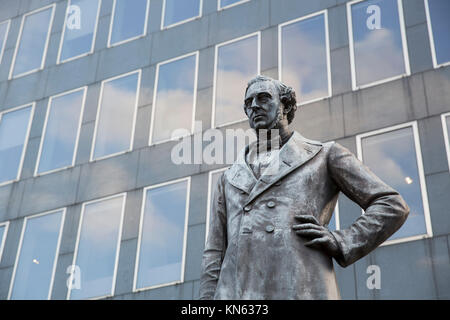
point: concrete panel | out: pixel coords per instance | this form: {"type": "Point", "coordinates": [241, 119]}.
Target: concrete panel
{"type": "Point", "coordinates": [230, 24]}
{"type": "Point", "coordinates": [439, 251]}
{"type": "Point", "coordinates": [26, 89]}
{"type": "Point", "coordinates": [108, 177]}
{"type": "Point", "coordinates": [322, 120]}
{"type": "Point", "coordinates": [269, 48]}
{"type": "Point", "coordinates": [414, 12]}
{"type": "Point", "coordinates": [437, 187]}
{"type": "Point", "coordinates": [85, 143]}
{"type": "Point", "coordinates": [9, 9]}
{"type": "Point", "coordinates": [59, 291]}
{"type": "Point", "coordinates": [11, 243]}
{"type": "Point", "coordinates": [285, 10]}
{"type": "Point", "coordinates": [154, 16]}
{"type": "Point", "coordinates": [437, 88]}
{"type": "Point", "coordinates": [432, 144]}
{"type": "Point", "coordinates": [125, 270]}
{"type": "Point", "coordinates": [341, 80]}
{"type": "Point", "coordinates": [206, 68]}
{"type": "Point", "coordinates": [5, 280]}
{"type": "Point", "coordinates": [419, 48]}
{"type": "Point", "coordinates": [199, 199]}
{"type": "Point", "coordinates": [106, 8]}
{"type": "Point", "coordinates": [51, 191]}
{"type": "Point", "coordinates": [101, 39]}
{"type": "Point", "coordinates": [91, 104]}
{"type": "Point", "coordinates": [142, 131]}
{"type": "Point", "coordinates": [203, 110]}
{"type": "Point", "coordinates": [147, 86]}
{"type": "Point", "coordinates": [29, 162]}
{"type": "Point", "coordinates": [15, 200]}
{"type": "Point", "coordinates": [5, 193]}
{"type": "Point", "coordinates": [37, 124]}
{"type": "Point", "coordinates": [406, 271]}
{"type": "Point", "coordinates": [337, 27]}
{"type": "Point", "coordinates": [196, 290]}
{"type": "Point", "coordinates": [194, 252]}
{"type": "Point", "coordinates": [132, 215]}
{"type": "Point", "coordinates": [5, 67]}
{"type": "Point", "coordinates": [70, 230]}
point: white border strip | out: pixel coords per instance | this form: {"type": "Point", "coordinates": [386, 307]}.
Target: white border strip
{"type": "Point", "coordinates": [446, 137]}
{"type": "Point", "coordinates": [420, 170]}
{"type": "Point", "coordinates": [141, 223]}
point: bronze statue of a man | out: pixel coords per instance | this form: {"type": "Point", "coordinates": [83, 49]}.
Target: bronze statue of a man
{"type": "Point", "coordinates": [268, 236]}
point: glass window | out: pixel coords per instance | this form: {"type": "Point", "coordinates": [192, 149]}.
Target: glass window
{"type": "Point", "coordinates": [3, 232]}
{"type": "Point", "coordinates": [79, 29]}
{"type": "Point", "coordinates": [129, 20]}
{"type": "Point", "coordinates": [36, 260]}
{"type": "Point", "coordinates": [32, 42]}
{"type": "Point", "coordinates": [377, 40]}
{"type": "Point", "coordinates": [229, 3]}
{"type": "Point", "coordinates": [97, 249]}
{"type": "Point", "coordinates": [305, 58]}
{"type": "Point", "coordinates": [236, 63]}
{"type": "Point", "coordinates": [393, 157]}
{"type": "Point", "coordinates": [61, 131]}
{"type": "Point", "coordinates": [177, 11]}
{"type": "Point", "coordinates": [446, 127]}
{"type": "Point", "coordinates": [162, 235]}
{"type": "Point", "coordinates": [4, 27]}
{"type": "Point", "coordinates": [14, 130]}
{"type": "Point", "coordinates": [116, 115]}
{"type": "Point", "coordinates": [438, 12]}
{"type": "Point", "coordinates": [174, 101]}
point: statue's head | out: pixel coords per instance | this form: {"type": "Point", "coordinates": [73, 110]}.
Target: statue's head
{"type": "Point", "coordinates": [269, 104]}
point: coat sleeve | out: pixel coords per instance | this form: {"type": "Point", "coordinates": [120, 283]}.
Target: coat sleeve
{"type": "Point", "coordinates": [385, 210]}
{"type": "Point", "coordinates": [216, 243]}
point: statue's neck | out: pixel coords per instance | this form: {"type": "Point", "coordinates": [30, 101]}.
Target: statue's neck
{"type": "Point", "coordinates": [275, 137]}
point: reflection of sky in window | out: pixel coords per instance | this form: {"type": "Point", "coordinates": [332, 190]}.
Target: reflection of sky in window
{"type": "Point", "coordinates": [61, 132]}
{"type": "Point", "coordinates": [161, 250]}
{"type": "Point", "coordinates": [392, 157]}
{"type": "Point", "coordinates": [97, 248]}
{"type": "Point", "coordinates": [129, 20]}
{"type": "Point", "coordinates": [174, 98]}
{"type": "Point", "coordinates": [180, 10]}
{"type": "Point", "coordinates": [237, 63]}
{"type": "Point", "coordinates": [13, 131]}
{"type": "Point", "coordinates": [79, 41]}
{"type": "Point", "coordinates": [37, 256]}
{"type": "Point", "coordinates": [378, 53]}
{"type": "Point", "coordinates": [32, 42]}
{"type": "Point", "coordinates": [224, 3]}
{"type": "Point", "coordinates": [115, 121]}
{"type": "Point", "coordinates": [304, 58]}
{"type": "Point", "coordinates": [3, 35]}
{"type": "Point", "coordinates": [440, 23]}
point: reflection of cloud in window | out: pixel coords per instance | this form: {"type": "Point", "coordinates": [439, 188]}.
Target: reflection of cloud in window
{"type": "Point", "coordinates": [378, 57]}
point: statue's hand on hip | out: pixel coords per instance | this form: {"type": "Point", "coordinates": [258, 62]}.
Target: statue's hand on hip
{"type": "Point", "coordinates": [320, 237]}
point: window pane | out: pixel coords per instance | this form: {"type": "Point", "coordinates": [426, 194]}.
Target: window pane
{"type": "Point", "coordinates": [33, 40]}
{"type": "Point", "coordinates": [440, 23]}
{"type": "Point", "coordinates": [13, 136]}
{"type": "Point", "coordinates": [304, 58]}
{"type": "Point", "coordinates": [98, 247]}
{"type": "Point", "coordinates": [34, 269]}
{"type": "Point", "coordinates": [61, 133]}
{"type": "Point", "coordinates": [116, 116]}
{"type": "Point", "coordinates": [162, 236]}
{"type": "Point", "coordinates": [174, 97]}
{"type": "Point", "coordinates": [129, 20]}
{"type": "Point", "coordinates": [3, 36]}
{"type": "Point", "coordinates": [378, 52]}
{"type": "Point", "coordinates": [179, 10]}
{"type": "Point", "coordinates": [237, 63]}
{"type": "Point", "coordinates": [392, 157]}
{"type": "Point", "coordinates": [224, 3]}
{"type": "Point", "coordinates": [78, 38]}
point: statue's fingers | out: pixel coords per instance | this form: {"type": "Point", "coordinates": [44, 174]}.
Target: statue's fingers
{"type": "Point", "coordinates": [310, 233]}
{"type": "Point", "coordinates": [316, 242]}
{"type": "Point", "coordinates": [307, 219]}
{"type": "Point", "coordinates": [306, 226]}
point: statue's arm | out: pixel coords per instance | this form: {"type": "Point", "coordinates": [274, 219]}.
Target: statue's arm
{"type": "Point", "coordinates": [216, 243]}
{"type": "Point", "coordinates": [385, 209]}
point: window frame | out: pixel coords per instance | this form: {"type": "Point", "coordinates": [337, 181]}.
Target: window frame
{"type": "Point", "coordinates": [446, 137]}
{"type": "Point", "coordinates": [216, 60]}
{"type": "Point", "coordinates": [155, 93]}
{"type": "Point", "coordinates": [123, 195]}
{"type": "Point", "coordinates": [327, 48]}
{"type": "Point", "coordinates": [406, 60]}
{"type": "Point", "coordinates": [3, 45]}
{"type": "Point", "coordinates": [19, 38]}
{"type": "Point", "coordinates": [94, 36]}
{"type": "Point", "coordinates": [97, 117]}
{"type": "Point", "coordinates": [431, 37]}
{"type": "Point", "coordinates": [3, 239]}
{"type": "Point", "coordinates": [111, 24]}
{"type": "Point", "coordinates": [141, 222]}
{"type": "Point", "coordinates": [200, 13]}
{"type": "Point", "coordinates": [58, 247]}
{"type": "Point", "coordinates": [420, 170]}
{"type": "Point", "coordinates": [220, 7]}
{"type": "Point", "coordinates": [44, 132]}
{"type": "Point", "coordinates": [27, 138]}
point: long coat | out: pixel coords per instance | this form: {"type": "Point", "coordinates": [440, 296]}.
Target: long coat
{"type": "Point", "coordinates": [252, 252]}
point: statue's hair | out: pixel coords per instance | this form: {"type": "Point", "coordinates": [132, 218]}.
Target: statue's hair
{"type": "Point", "coordinates": [287, 94]}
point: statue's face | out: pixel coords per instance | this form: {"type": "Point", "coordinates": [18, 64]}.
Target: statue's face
{"type": "Point", "coordinates": [263, 105]}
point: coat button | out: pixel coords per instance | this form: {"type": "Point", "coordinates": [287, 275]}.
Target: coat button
{"type": "Point", "coordinates": [271, 204]}
{"type": "Point", "coordinates": [269, 228]}
{"type": "Point", "coordinates": [247, 208]}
